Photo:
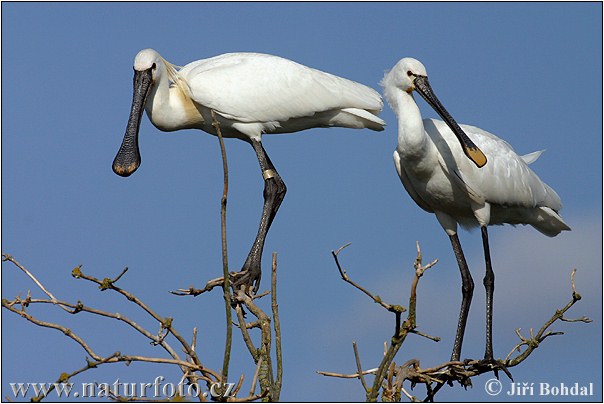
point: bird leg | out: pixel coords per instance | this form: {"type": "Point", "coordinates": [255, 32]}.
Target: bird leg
{"type": "Point", "coordinates": [467, 289]}
{"type": "Point", "coordinates": [274, 192]}
{"type": "Point", "coordinates": [489, 362]}
{"type": "Point", "coordinates": [489, 285]}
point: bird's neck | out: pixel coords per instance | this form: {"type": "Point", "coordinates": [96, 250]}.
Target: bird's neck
{"type": "Point", "coordinates": [169, 109]}
{"type": "Point", "coordinates": [412, 139]}
{"type": "Point", "coordinates": [158, 104]}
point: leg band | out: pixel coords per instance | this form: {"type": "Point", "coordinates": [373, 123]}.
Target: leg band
{"type": "Point", "coordinates": [266, 174]}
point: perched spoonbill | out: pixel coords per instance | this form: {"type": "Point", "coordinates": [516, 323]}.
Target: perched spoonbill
{"type": "Point", "coordinates": [251, 94]}
{"type": "Point", "coordinates": [467, 176]}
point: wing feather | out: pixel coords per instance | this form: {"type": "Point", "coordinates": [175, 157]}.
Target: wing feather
{"type": "Point", "coordinates": [252, 87]}
{"type": "Point", "coordinates": [506, 179]}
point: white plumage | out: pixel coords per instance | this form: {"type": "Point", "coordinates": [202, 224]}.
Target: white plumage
{"type": "Point", "coordinates": [255, 93]}
{"type": "Point", "coordinates": [506, 185]}
{"type": "Point", "coordinates": [252, 94]}
{"type": "Point", "coordinates": [464, 175]}
{"type": "Point", "coordinates": [441, 179]}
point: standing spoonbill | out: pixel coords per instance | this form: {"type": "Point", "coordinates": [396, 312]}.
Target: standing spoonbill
{"type": "Point", "coordinates": [251, 94]}
{"type": "Point", "coordinates": [464, 175]}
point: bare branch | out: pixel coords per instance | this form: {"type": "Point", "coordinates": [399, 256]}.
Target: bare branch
{"type": "Point", "coordinates": [533, 342]}
{"type": "Point", "coordinates": [248, 399]}
{"type": "Point", "coordinates": [376, 299]}
{"type": "Point", "coordinates": [389, 378]}
{"type": "Point", "coordinates": [225, 259]}
{"type": "Point", "coordinates": [359, 367]}
{"type": "Point", "coordinates": [166, 322]}
{"type": "Point", "coordinates": [348, 376]}
{"type": "Point", "coordinates": [255, 377]}
{"type": "Point", "coordinates": [277, 327]}
{"type": "Point", "coordinates": [58, 327]}
{"type": "Point", "coordinates": [402, 332]}
{"type": "Point", "coordinates": [245, 334]}
{"type": "Point", "coordinates": [421, 334]}
{"type": "Point", "coordinates": [80, 307]}
{"type": "Point", "coordinates": [8, 257]}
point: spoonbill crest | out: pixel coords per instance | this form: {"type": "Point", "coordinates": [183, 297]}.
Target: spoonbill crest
{"type": "Point", "coordinates": [467, 176]}
{"type": "Point", "coordinates": [251, 94]}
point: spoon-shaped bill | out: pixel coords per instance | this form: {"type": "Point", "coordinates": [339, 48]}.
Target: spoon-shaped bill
{"type": "Point", "coordinates": [422, 86]}
{"type": "Point", "coordinates": [128, 158]}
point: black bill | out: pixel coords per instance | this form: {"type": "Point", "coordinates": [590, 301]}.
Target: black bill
{"type": "Point", "coordinates": [470, 149]}
{"type": "Point", "coordinates": [128, 158]}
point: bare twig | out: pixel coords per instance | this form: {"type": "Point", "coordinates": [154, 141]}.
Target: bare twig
{"type": "Point", "coordinates": [421, 334]}
{"type": "Point", "coordinates": [376, 299]}
{"type": "Point", "coordinates": [348, 376]}
{"type": "Point", "coordinates": [80, 307]}
{"type": "Point", "coordinates": [265, 375]}
{"type": "Point", "coordinates": [63, 329]}
{"type": "Point", "coordinates": [359, 367]}
{"type": "Point", "coordinates": [435, 377]}
{"type": "Point", "coordinates": [192, 291]}
{"type": "Point", "coordinates": [8, 257]}
{"type": "Point", "coordinates": [402, 332]}
{"type": "Point", "coordinates": [188, 367]}
{"type": "Point", "coordinates": [264, 394]}
{"type": "Point", "coordinates": [277, 327]}
{"type": "Point", "coordinates": [225, 260]}
{"type": "Point", "coordinates": [255, 377]}
{"type": "Point", "coordinates": [245, 334]}
{"type": "Point", "coordinates": [238, 386]}
{"type": "Point", "coordinates": [64, 377]}
{"type": "Point", "coordinates": [166, 322]}
{"type": "Point", "coordinates": [533, 341]}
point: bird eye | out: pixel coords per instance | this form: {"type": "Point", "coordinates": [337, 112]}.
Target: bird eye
{"type": "Point", "coordinates": [153, 66]}
{"type": "Point", "coordinates": [410, 73]}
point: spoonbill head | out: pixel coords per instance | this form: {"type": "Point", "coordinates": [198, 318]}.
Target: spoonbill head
{"type": "Point", "coordinates": [151, 70]}
{"type": "Point", "coordinates": [467, 176]}
{"type": "Point", "coordinates": [410, 75]}
{"type": "Point", "coordinates": [251, 94]}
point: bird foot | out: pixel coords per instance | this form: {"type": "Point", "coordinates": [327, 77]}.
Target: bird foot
{"type": "Point", "coordinates": [495, 365]}
{"type": "Point", "coordinates": [246, 279]}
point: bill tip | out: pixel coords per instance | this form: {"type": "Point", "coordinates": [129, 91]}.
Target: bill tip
{"type": "Point", "coordinates": [125, 170]}
{"type": "Point", "coordinates": [477, 156]}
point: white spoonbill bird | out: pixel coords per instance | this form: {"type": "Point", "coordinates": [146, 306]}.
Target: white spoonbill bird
{"type": "Point", "coordinates": [467, 176]}
{"type": "Point", "coordinates": [251, 94]}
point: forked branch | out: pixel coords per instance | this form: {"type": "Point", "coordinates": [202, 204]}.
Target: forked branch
{"type": "Point", "coordinates": [389, 378]}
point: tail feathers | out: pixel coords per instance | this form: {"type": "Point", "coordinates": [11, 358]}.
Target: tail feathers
{"type": "Point", "coordinates": [532, 157]}
{"type": "Point", "coordinates": [548, 222]}
{"type": "Point", "coordinates": [368, 119]}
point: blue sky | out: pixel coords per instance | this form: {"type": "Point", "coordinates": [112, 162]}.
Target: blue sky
{"type": "Point", "coordinates": [529, 72]}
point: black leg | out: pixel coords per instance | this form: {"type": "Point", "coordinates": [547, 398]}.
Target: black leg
{"type": "Point", "coordinates": [489, 285]}
{"type": "Point", "coordinates": [274, 192]}
{"type": "Point", "coordinates": [467, 289]}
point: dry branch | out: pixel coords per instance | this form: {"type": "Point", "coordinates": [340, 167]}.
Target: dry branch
{"type": "Point", "coordinates": [191, 367]}
{"type": "Point", "coordinates": [389, 378]}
